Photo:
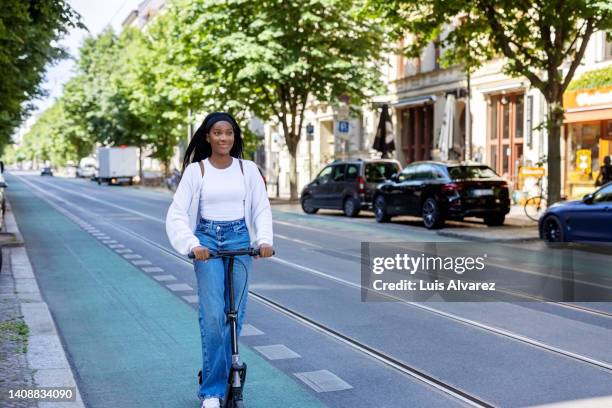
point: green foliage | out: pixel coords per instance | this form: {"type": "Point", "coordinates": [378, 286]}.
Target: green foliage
{"type": "Point", "coordinates": [29, 31]}
{"type": "Point", "coordinates": [597, 78]}
{"type": "Point", "coordinates": [54, 138]}
{"type": "Point", "coordinates": [17, 331]}
{"type": "Point", "coordinates": [536, 38]}
{"type": "Point", "coordinates": [269, 57]}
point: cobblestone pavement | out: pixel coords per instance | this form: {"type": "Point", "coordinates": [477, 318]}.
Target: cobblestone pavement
{"type": "Point", "coordinates": [13, 341]}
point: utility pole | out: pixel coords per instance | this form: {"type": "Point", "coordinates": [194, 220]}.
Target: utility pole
{"type": "Point", "coordinates": [309, 138]}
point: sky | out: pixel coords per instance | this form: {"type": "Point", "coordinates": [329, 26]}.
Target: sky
{"type": "Point", "coordinates": [96, 15]}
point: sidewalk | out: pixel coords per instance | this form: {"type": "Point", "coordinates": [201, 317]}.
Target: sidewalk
{"type": "Point", "coordinates": [31, 352]}
{"type": "Point", "coordinates": [517, 228]}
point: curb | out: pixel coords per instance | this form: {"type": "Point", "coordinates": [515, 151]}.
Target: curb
{"type": "Point", "coordinates": [489, 238]}
{"type": "Point", "coordinates": [45, 356]}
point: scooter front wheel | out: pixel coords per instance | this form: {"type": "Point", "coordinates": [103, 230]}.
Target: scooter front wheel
{"type": "Point", "coordinates": [239, 404]}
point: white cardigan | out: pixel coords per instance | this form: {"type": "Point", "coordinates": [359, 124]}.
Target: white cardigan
{"type": "Point", "coordinates": [184, 212]}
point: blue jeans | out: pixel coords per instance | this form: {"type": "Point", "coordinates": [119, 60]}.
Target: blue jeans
{"type": "Point", "coordinates": [214, 299]}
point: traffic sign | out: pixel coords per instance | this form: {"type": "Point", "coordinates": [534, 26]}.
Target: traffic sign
{"type": "Point", "coordinates": [343, 126]}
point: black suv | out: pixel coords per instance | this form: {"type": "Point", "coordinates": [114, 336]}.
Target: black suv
{"type": "Point", "coordinates": [444, 190]}
{"type": "Point", "coordinates": [347, 185]}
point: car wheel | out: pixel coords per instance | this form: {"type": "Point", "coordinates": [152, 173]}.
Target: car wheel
{"type": "Point", "coordinates": [432, 217]}
{"type": "Point", "coordinates": [350, 207]}
{"type": "Point", "coordinates": [552, 230]}
{"type": "Point", "coordinates": [495, 220]}
{"type": "Point", "coordinates": [380, 209]}
{"type": "Point", "coordinates": [307, 206]}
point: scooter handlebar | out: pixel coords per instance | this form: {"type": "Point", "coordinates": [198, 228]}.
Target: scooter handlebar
{"type": "Point", "coordinates": [220, 254]}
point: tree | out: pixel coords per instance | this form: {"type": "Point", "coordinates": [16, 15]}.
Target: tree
{"type": "Point", "coordinates": [53, 138]}
{"type": "Point", "coordinates": [543, 41]}
{"type": "Point", "coordinates": [29, 31]}
{"type": "Point", "coordinates": [272, 58]}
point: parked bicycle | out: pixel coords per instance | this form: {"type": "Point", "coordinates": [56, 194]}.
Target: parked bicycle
{"type": "Point", "coordinates": [173, 181]}
{"type": "Point", "coordinates": [536, 206]}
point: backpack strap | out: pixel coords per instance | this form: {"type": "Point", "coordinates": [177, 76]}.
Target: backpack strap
{"type": "Point", "coordinates": [241, 167]}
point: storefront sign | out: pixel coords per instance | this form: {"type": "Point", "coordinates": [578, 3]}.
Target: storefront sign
{"type": "Point", "coordinates": [597, 98]}
{"type": "Point", "coordinates": [587, 97]}
{"type": "Point", "coordinates": [583, 161]}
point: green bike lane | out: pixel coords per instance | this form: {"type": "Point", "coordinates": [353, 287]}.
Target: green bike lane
{"type": "Point", "coordinates": [130, 342]}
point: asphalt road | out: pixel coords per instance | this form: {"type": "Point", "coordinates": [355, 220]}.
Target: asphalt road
{"type": "Point", "coordinates": [306, 302]}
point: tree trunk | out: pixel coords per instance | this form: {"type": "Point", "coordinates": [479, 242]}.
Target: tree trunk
{"type": "Point", "coordinates": [554, 124]}
{"type": "Point", "coordinates": [140, 172]}
{"type": "Point", "coordinates": [293, 174]}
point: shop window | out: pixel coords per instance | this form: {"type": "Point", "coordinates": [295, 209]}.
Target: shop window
{"type": "Point", "coordinates": [583, 151]}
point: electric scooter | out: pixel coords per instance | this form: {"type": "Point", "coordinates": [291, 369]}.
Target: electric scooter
{"type": "Point", "coordinates": [237, 375]}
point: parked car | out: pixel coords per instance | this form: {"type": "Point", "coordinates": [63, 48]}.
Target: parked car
{"type": "Point", "coordinates": [46, 171]}
{"type": "Point", "coordinates": [586, 220]}
{"type": "Point", "coordinates": [438, 191]}
{"type": "Point", "coordinates": [86, 171]}
{"type": "Point", "coordinates": [347, 185]}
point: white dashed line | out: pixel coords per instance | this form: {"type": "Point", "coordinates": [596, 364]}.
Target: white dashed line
{"type": "Point", "coordinates": [177, 287]}
{"type": "Point", "coordinates": [277, 352]}
{"type": "Point", "coordinates": [164, 278]}
{"type": "Point", "coordinates": [323, 381]}
{"type": "Point", "coordinates": [191, 298]}
{"type": "Point", "coordinates": [150, 269]}
{"type": "Point", "coordinates": [141, 262]}
{"type": "Point", "coordinates": [132, 256]}
{"type": "Point", "coordinates": [250, 330]}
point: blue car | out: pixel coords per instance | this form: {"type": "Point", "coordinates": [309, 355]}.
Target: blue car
{"type": "Point", "coordinates": [586, 220]}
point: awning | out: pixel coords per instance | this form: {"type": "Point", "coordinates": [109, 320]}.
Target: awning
{"type": "Point", "coordinates": [588, 115]}
{"type": "Point", "coordinates": [419, 100]}
{"type": "Point", "coordinates": [445, 139]}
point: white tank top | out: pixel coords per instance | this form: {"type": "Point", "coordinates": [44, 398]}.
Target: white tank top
{"type": "Point", "coordinates": [223, 192]}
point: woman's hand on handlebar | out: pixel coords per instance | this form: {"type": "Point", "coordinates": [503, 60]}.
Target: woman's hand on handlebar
{"type": "Point", "coordinates": [201, 253]}
{"type": "Point", "coordinates": [265, 251]}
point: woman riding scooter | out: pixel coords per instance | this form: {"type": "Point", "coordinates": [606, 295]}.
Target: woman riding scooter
{"type": "Point", "coordinates": [220, 204]}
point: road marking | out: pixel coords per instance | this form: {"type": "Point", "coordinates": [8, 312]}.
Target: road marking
{"type": "Point", "coordinates": [151, 269]}
{"type": "Point", "coordinates": [132, 256]}
{"type": "Point", "coordinates": [140, 262]}
{"type": "Point", "coordinates": [113, 246]}
{"type": "Point", "coordinates": [250, 330]}
{"type": "Point", "coordinates": [485, 327]}
{"type": "Point", "coordinates": [298, 241]}
{"type": "Point", "coordinates": [191, 298]}
{"type": "Point", "coordinates": [109, 204]}
{"type": "Point", "coordinates": [178, 287]}
{"type": "Point", "coordinates": [164, 278]}
{"type": "Point", "coordinates": [323, 381]}
{"type": "Point", "coordinates": [122, 250]}
{"type": "Point", "coordinates": [277, 352]}
{"type": "Point", "coordinates": [109, 241]}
